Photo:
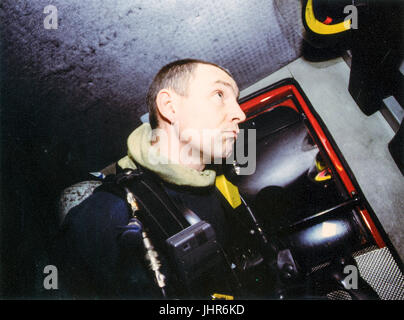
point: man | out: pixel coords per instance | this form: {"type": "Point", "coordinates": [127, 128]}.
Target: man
{"type": "Point", "coordinates": [194, 117]}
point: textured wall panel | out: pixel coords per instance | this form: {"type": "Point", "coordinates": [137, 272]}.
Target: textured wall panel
{"type": "Point", "coordinates": [85, 83]}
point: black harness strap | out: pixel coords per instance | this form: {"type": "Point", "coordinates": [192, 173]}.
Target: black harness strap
{"type": "Point", "coordinates": [160, 215]}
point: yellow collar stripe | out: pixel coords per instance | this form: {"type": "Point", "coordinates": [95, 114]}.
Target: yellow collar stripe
{"type": "Point", "coordinates": [229, 191]}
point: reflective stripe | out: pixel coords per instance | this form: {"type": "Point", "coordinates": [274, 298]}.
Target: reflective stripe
{"type": "Point", "coordinates": [321, 28]}
{"type": "Point", "coordinates": [229, 191]}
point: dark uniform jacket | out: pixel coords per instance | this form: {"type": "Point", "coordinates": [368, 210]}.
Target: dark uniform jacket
{"type": "Point", "coordinates": [93, 261]}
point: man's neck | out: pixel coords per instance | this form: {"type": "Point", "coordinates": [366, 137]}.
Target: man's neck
{"type": "Point", "coordinates": [170, 146]}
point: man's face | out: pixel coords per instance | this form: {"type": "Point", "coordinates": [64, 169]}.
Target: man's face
{"type": "Point", "coordinates": [208, 116]}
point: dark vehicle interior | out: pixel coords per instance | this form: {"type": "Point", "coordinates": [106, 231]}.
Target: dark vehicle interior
{"type": "Point", "coordinates": [298, 195]}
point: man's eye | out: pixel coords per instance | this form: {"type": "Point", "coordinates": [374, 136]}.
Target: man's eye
{"type": "Point", "coordinates": [220, 94]}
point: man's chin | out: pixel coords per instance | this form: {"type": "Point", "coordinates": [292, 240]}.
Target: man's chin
{"type": "Point", "coordinates": [219, 154]}
{"type": "Point", "coordinates": [220, 158]}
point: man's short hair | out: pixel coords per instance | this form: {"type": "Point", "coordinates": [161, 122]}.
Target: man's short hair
{"type": "Point", "coordinates": [175, 76]}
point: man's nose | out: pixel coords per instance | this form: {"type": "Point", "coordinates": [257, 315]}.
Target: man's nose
{"type": "Point", "coordinates": [237, 113]}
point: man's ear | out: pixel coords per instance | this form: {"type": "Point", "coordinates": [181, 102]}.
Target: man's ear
{"type": "Point", "coordinates": [165, 102]}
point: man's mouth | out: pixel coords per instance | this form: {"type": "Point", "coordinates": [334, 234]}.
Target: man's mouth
{"type": "Point", "coordinates": [231, 132]}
